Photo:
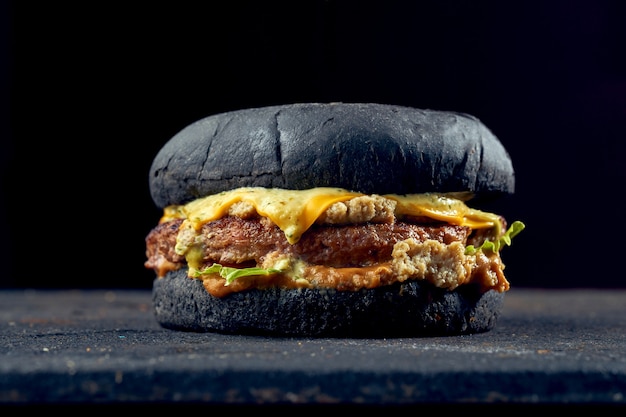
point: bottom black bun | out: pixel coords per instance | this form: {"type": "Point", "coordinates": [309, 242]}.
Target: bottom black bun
{"type": "Point", "coordinates": [411, 308]}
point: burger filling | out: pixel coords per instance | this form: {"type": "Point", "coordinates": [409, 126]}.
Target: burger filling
{"type": "Point", "coordinates": [329, 238]}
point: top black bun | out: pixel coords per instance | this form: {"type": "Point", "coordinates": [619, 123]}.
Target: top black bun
{"type": "Point", "coordinates": [369, 148]}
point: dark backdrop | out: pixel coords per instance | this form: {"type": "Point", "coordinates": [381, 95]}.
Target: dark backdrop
{"type": "Point", "coordinates": [92, 90]}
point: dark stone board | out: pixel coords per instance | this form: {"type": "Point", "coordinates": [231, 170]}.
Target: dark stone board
{"type": "Point", "coordinates": [60, 347]}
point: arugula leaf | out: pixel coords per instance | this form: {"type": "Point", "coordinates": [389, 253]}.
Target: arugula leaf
{"type": "Point", "coordinates": [505, 239]}
{"type": "Point", "coordinates": [231, 274]}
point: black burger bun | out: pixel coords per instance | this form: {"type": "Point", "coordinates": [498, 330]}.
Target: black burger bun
{"type": "Point", "coordinates": [368, 148]}
{"type": "Point", "coordinates": [412, 308]}
{"type": "Point", "coordinates": [362, 147]}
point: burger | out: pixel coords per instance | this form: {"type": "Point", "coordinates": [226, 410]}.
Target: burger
{"type": "Point", "coordinates": [330, 219]}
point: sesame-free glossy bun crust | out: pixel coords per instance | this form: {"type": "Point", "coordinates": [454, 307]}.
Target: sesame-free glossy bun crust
{"type": "Point", "coordinates": [364, 147]}
{"type": "Point", "coordinates": [412, 308]}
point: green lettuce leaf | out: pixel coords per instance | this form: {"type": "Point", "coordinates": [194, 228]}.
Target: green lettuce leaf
{"type": "Point", "coordinates": [231, 274]}
{"type": "Point", "coordinates": [488, 245]}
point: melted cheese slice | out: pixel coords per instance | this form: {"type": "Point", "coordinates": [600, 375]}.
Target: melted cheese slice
{"type": "Point", "coordinates": [294, 211]}
{"type": "Point", "coordinates": [445, 208]}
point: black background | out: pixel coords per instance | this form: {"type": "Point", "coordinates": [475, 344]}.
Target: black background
{"type": "Point", "coordinates": [92, 90]}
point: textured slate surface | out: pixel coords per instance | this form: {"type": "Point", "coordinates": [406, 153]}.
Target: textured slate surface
{"type": "Point", "coordinates": [104, 347]}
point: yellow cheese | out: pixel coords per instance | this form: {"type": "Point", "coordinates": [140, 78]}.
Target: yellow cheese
{"type": "Point", "coordinates": [444, 208]}
{"type": "Point", "coordinates": [294, 211]}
